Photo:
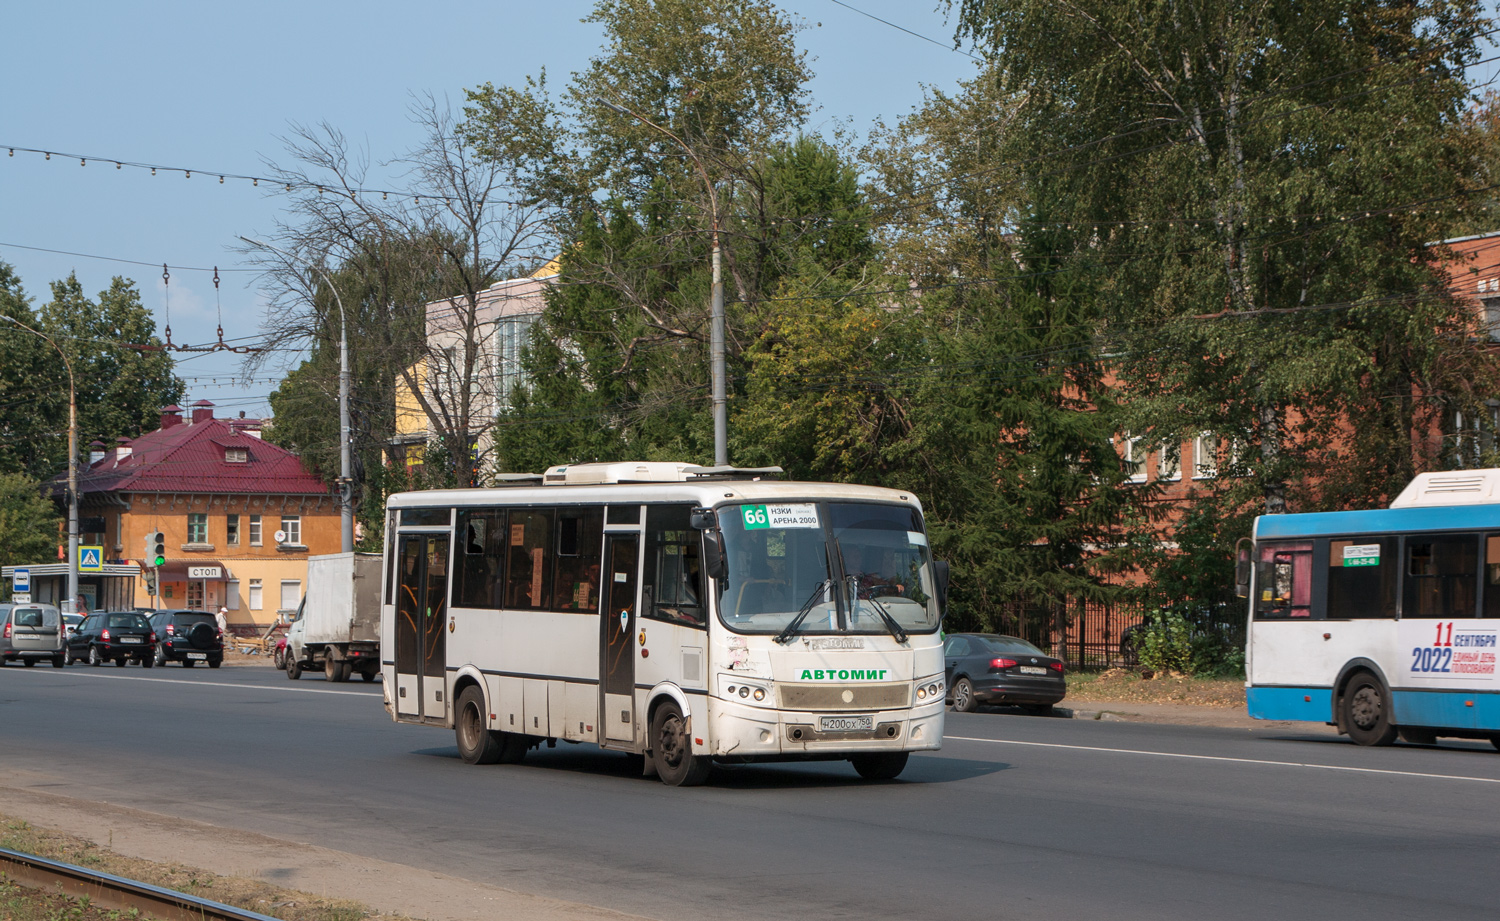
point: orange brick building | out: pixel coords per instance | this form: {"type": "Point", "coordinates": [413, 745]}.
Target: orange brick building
{"type": "Point", "coordinates": [240, 516]}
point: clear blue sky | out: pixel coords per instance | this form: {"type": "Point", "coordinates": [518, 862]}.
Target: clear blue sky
{"type": "Point", "coordinates": [212, 86]}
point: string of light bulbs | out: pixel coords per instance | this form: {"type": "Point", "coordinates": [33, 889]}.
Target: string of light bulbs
{"type": "Point", "coordinates": [255, 181]}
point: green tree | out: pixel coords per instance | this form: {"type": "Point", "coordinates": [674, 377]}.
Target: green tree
{"type": "Point", "coordinates": [121, 387]}
{"type": "Point", "coordinates": [121, 390]}
{"type": "Point", "coordinates": [31, 377]}
{"type": "Point", "coordinates": [28, 521]}
{"type": "Point", "coordinates": [620, 361]}
{"type": "Point", "coordinates": [1260, 182]}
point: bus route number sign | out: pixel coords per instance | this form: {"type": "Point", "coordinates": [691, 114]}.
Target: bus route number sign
{"type": "Point", "coordinates": [758, 517]}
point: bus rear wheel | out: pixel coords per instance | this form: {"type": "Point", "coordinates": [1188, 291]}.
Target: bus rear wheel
{"type": "Point", "coordinates": [1367, 716]}
{"type": "Point", "coordinates": [476, 744]}
{"type": "Point", "coordinates": [883, 766]}
{"type": "Point", "coordinates": [672, 748]}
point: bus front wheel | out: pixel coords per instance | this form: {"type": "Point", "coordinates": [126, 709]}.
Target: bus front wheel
{"type": "Point", "coordinates": [672, 749]}
{"type": "Point", "coordinates": [1367, 716]}
{"type": "Point", "coordinates": [882, 766]}
{"type": "Point", "coordinates": [476, 744]}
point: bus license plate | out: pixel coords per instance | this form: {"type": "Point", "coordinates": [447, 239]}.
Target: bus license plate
{"type": "Point", "coordinates": [846, 723]}
{"type": "Point", "coordinates": [1032, 670]}
{"type": "Point", "coordinates": [197, 655]}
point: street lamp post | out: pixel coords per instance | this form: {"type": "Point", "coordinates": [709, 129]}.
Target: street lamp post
{"type": "Point", "coordinates": [346, 484]}
{"type": "Point", "coordinates": [72, 465]}
{"type": "Point", "coordinates": [716, 315]}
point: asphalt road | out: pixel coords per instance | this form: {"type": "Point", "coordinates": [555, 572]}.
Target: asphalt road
{"type": "Point", "coordinates": [1017, 817]}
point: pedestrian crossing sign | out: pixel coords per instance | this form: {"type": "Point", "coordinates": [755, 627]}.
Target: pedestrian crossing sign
{"type": "Point", "coordinates": [90, 559]}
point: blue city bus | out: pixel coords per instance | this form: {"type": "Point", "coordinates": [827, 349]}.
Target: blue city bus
{"type": "Point", "coordinates": [1382, 623]}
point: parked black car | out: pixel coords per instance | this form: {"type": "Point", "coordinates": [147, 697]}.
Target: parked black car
{"type": "Point", "coordinates": [996, 669]}
{"type": "Point", "coordinates": [188, 637]}
{"type": "Point", "coordinates": [111, 636]}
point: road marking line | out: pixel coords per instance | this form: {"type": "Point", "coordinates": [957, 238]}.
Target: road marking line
{"type": "Point", "coordinates": [1301, 764]}
{"type": "Point", "coordinates": [213, 684]}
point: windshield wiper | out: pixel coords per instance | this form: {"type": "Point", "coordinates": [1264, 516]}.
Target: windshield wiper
{"type": "Point", "coordinates": [785, 636]}
{"type": "Point", "coordinates": [885, 616]}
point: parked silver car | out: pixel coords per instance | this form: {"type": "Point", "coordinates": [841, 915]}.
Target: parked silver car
{"type": "Point", "coordinates": [29, 632]}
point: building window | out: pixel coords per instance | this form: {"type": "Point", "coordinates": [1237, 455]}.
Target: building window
{"type": "Point", "coordinates": [232, 530]}
{"type": "Point", "coordinates": [291, 594]}
{"type": "Point", "coordinates": [255, 530]}
{"type": "Point", "coordinates": [1205, 456]}
{"type": "Point", "coordinates": [195, 595]}
{"type": "Point", "coordinates": [1133, 458]}
{"type": "Point", "coordinates": [236, 456]}
{"type": "Point", "coordinates": [232, 594]}
{"type": "Point", "coordinates": [291, 526]}
{"type": "Point", "coordinates": [511, 334]}
{"type": "Point", "coordinates": [197, 528]}
{"type": "Point", "coordinates": [255, 595]}
{"type": "Point", "coordinates": [1169, 462]}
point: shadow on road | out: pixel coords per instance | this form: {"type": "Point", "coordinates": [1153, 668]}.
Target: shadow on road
{"type": "Point", "coordinates": [589, 759]}
{"type": "Point", "coordinates": [1470, 746]}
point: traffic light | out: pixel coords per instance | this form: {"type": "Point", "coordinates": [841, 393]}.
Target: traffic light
{"type": "Point", "coordinates": [150, 575]}
{"type": "Point", "coordinates": [158, 554]}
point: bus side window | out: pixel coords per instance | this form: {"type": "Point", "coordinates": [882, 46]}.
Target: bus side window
{"type": "Point", "coordinates": [1284, 580]}
{"type": "Point", "coordinates": [1492, 575]}
{"type": "Point", "coordinates": [674, 569]}
{"type": "Point", "coordinates": [1361, 578]}
{"type": "Point", "coordinates": [580, 541]}
{"type": "Point", "coordinates": [1442, 576]}
{"type": "Point", "coordinates": [529, 571]}
{"type": "Point", "coordinates": [481, 557]}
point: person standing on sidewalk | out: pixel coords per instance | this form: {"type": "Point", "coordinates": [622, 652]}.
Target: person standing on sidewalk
{"type": "Point", "coordinates": [223, 619]}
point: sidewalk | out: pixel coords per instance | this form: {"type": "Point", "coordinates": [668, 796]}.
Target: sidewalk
{"type": "Point", "coordinates": [1175, 714]}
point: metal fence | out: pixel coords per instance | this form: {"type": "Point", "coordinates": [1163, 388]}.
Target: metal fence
{"type": "Point", "coordinates": [1098, 635]}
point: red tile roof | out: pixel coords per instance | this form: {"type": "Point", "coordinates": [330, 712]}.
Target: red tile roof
{"type": "Point", "coordinates": [189, 457]}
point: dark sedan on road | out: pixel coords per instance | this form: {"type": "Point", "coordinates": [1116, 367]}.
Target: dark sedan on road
{"type": "Point", "coordinates": [112, 636]}
{"type": "Point", "coordinates": [992, 668]}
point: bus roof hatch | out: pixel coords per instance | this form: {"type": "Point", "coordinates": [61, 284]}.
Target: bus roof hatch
{"type": "Point", "coordinates": [649, 472]}
{"type": "Point", "coordinates": [1451, 487]}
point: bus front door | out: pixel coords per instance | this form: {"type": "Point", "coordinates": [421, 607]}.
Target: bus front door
{"type": "Point", "coordinates": [617, 629]}
{"type": "Point", "coordinates": [421, 619]}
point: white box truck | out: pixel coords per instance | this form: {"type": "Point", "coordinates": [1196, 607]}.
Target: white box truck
{"type": "Point", "coordinates": [337, 625]}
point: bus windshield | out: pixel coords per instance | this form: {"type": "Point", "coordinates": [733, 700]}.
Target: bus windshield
{"type": "Point", "coordinates": [846, 563]}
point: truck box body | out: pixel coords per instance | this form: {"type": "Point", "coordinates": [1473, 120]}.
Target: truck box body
{"type": "Point", "coordinates": [343, 599]}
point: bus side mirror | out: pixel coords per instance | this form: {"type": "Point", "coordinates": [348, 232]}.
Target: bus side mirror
{"type": "Point", "coordinates": [941, 573]}
{"type": "Point", "coordinates": [1241, 570]}
{"type": "Point", "coordinates": [703, 519]}
{"type": "Point", "coordinates": [713, 555]}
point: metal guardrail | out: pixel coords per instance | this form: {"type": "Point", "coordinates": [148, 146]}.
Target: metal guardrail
{"type": "Point", "coordinates": [116, 892]}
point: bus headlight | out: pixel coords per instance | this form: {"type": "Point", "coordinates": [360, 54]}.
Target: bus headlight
{"type": "Point", "coordinates": [740, 691]}
{"type": "Point", "coordinates": [930, 689]}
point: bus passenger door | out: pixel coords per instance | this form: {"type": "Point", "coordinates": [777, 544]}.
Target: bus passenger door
{"type": "Point", "coordinates": [617, 629]}
{"type": "Point", "coordinates": [421, 616]}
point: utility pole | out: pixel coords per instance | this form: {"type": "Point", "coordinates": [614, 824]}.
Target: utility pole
{"type": "Point", "coordinates": [345, 482]}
